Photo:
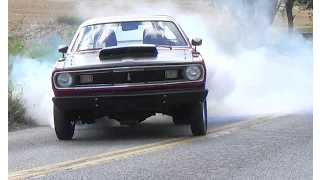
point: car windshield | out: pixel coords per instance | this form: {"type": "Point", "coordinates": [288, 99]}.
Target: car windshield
{"type": "Point", "coordinates": [98, 36]}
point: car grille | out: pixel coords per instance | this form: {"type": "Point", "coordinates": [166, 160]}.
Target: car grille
{"type": "Point", "coordinates": [139, 76]}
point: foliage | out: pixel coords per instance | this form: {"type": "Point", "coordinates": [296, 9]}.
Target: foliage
{"type": "Point", "coordinates": [41, 49]}
{"type": "Point", "coordinates": [16, 109]}
{"type": "Point", "coordinates": [308, 4]}
{"type": "Point", "coordinates": [70, 20]}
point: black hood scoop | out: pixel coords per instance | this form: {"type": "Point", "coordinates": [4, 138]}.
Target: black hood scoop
{"type": "Point", "coordinates": [133, 51]}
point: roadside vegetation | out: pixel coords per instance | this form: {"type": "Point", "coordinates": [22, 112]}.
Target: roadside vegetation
{"type": "Point", "coordinates": [16, 109]}
{"type": "Point", "coordinates": [70, 20]}
{"type": "Point", "coordinates": [34, 47]}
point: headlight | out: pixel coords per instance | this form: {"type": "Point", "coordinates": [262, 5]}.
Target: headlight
{"type": "Point", "coordinates": [64, 80]}
{"type": "Point", "coordinates": [193, 73]}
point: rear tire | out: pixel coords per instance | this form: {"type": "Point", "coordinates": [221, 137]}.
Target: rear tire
{"type": "Point", "coordinates": [198, 119]}
{"type": "Point", "coordinates": [64, 128]}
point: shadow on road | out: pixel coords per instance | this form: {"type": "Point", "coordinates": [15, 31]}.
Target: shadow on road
{"type": "Point", "coordinates": [157, 127]}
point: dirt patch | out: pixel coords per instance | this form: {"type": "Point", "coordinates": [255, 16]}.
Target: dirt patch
{"type": "Point", "coordinates": [46, 11]}
{"type": "Point", "coordinates": [38, 11]}
{"type": "Point", "coordinates": [303, 20]}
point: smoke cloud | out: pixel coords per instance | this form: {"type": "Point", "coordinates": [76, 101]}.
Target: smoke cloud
{"type": "Point", "coordinates": [33, 77]}
{"type": "Point", "coordinates": [250, 72]}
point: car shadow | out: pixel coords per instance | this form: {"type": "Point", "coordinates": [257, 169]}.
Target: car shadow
{"type": "Point", "coordinates": [156, 127]}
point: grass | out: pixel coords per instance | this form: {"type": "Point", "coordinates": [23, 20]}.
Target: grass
{"type": "Point", "coordinates": [15, 43]}
{"type": "Point", "coordinates": [70, 20]}
{"type": "Point", "coordinates": [16, 109]}
{"type": "Point", "coordinates": [71, 31]}
{"type": "Point", "coordinates": [307, 28]}
{"type": "Point", "coordinates": [16, 103]}
{"type": "Point", "coordinates": [37, 50]}
{"type": "Point", "coordinates": [15, 47]}
{"type": "Point", "coordinates": [300, 28]}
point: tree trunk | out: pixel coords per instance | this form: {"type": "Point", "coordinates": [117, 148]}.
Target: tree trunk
{"type": "Point", "coordinates": [289, 7]}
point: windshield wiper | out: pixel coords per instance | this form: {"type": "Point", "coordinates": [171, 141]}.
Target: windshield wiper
{"type": "Point", "coordinates": [164, 46]}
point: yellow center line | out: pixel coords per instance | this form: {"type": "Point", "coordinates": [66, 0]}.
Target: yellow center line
{"type": "Point", "coordinates": [108, 158]}
{"type": "Point", "coordinates": [84, 162]}
{"type": "Point", "coordinates": [79, 160]}
{"type": "Point", "coordinates": [118, 154]}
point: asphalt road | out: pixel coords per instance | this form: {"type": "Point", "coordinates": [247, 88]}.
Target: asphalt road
{"type": "Point", "coordinates": [255, 148]}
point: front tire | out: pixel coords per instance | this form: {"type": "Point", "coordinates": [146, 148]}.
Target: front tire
{"type": "Point", "coordinates": [64, 128]}
{"type": "Point", "coordinates": [198, 119]}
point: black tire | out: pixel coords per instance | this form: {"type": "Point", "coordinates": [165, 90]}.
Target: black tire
{"type": "Point", "coordinates": [198, 119]}
{"type": "Point", "coordinates": [64, 128]}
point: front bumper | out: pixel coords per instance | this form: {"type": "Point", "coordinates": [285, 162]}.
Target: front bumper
{"type": "Point", "coordinates": [133, 101]}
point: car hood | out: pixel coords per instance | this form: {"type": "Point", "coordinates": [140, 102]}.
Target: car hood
{"type": "Point", "coordinates": [91, 59]}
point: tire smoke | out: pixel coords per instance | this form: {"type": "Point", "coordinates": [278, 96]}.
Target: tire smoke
{"type": "Point", "coordinates": [251, 72]}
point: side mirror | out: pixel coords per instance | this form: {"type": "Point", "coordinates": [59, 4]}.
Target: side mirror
{"type": "Point", "coordinates": [196, 42]}
{"type": "Point", "coordinates": [63, 49]}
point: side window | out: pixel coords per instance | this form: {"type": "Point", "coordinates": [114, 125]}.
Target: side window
{"type": "Point", "coordinates": [86, 38]}
{"type": "Point", "coordinates": [174, 34]}
{"type": "Point", "coordinates": [169, 34]}
{"type": "Point", "coordinates": [78, 40]}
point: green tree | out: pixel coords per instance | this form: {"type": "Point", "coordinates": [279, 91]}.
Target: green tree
{"type": "Point", "coordinates": [308, 4]}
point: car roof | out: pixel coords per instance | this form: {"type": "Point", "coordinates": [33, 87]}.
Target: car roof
{"type": "Point", "coordinates": [110, 19]}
